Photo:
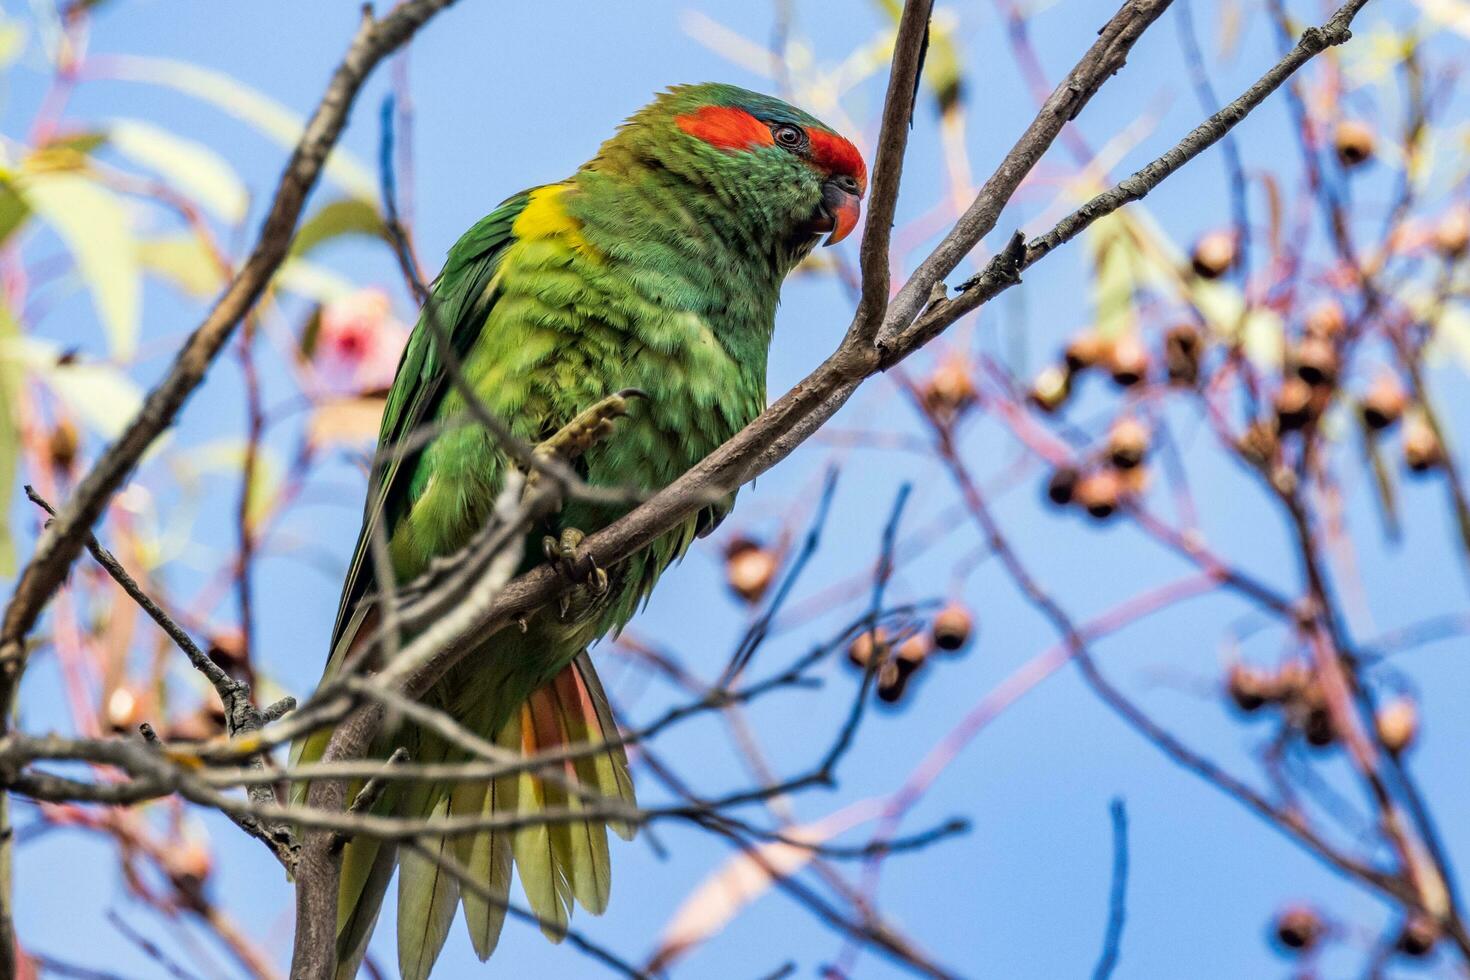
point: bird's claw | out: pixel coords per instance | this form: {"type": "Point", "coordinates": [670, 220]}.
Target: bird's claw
{"type": "Point", "coordinates": [589, 427]}
{"type": "Point", "coordinates": [574, 564]}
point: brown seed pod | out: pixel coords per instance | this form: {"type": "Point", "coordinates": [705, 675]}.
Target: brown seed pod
{"type": "Point", "coordinates": [950, 390]}
{"type": "Point", "coordinates": [1293, 682]}
{"type": "Point", "coordinates": [1214, 253]}
{"type": "Point", "coordinates": [1422, 449]}
{"type": "Point", "coordinates": [1318, 729]}
{"type": "Point", "coordinates": [1397, 723]}
{"type": "Point", "coordinates": [911, 653]}
{"type": "Point", "coordinates": [1085, 350]}
{"type": "Point", "coordinates": [1182, 349]}
{"type": "Point", "coordinates": [191, 860]}
{"type": "Point", "coordinates": [1298, 928]}
{"type": "Point", "coordinates": [228, 652]}
{"type": "Point", "coordinates": [1354, 142]}
{"type": "Point", "coordinates": [1134, 482]}
{"type": "Point", "coordinates": [1051, 388]}
{"type": "Point", "coordinates": [213, 713]}
{"type": "Point", "coordinates": [865, 646]}
{"type": "Point", "coordinates": [891, 682]}
{"type": "Point", "coordinates": [1063, 484]}
{"type": "Point", "coordinates": [1099, 492]}
{"type": "Point", "coordinates": [197, 726]}
{"type": "Point", "coordinates": [1326, 320]}
{"type": "Point", "coordinates": [1127, 443]}
{"type": "Point", "coordinates": [124, 709]}
{"type": "Point", "coordinates": [1293, 404]}
{"type": "Point", "coordinates": [1249, 687]}
{"type": "Point", "coordinates": [1418, 936]}
{"type": "Point", "coordinates": [1259, 443]}
{"type": "Point", "coordinates": [1384, 403]}
{"type": "Point", "coordinates": [952, 628]}
{"type": "Point", "coordinates": [1452, 233]}
{"type": "Point", "coordinates": [1128, 361]}
{"type": "Point", "coordinates": [750, 569]}
{"type": "Point", "coordinates": [1315, 361]}
{"type": "Point", "coordinates": [62, 445]}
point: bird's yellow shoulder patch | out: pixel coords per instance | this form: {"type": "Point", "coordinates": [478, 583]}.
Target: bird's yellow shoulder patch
{"type": "Point", "coordinates": [545, 216]}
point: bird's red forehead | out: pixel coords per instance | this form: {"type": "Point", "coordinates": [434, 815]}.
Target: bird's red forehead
{"type": "Point", "coordinates": [731, 128]}
{"type": "Point", "coordinates": [726, 128]}
{"type": "Point", "coordinates": [837, 156]}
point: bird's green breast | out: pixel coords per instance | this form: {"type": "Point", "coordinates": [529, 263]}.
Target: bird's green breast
{"type": "Point", "coordinates": [590, 299]}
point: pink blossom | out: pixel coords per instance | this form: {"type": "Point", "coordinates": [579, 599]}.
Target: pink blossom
{"type": "Point", "coordinates": [361, 340]}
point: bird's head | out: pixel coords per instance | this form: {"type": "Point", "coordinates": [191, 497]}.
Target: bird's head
{"type": "Point", "coordinates": [756, 155]}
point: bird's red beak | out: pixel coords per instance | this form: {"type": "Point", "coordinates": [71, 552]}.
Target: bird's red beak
{"type": "Point", "coordinates": [845, 219]}
{"type": "Point", "coordinates": [842, 205]}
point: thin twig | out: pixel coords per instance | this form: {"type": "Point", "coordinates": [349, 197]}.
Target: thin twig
{"type": "Point", "coordinates": [1117, 894]}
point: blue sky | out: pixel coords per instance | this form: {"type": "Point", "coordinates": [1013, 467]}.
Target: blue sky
{"type": "Point", "coordinates": [511, 95]}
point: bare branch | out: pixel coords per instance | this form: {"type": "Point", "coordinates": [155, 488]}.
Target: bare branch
{"type": "Point", "coordinates": [1117, 894]}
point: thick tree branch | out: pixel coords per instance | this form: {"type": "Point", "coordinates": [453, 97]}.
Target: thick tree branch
{"type": "Point", "coordinates": [893, 138]}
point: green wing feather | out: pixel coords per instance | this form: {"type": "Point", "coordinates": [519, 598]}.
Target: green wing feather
{"type": "Point", "coordinates": [462, 298]}
{"type": "Point", "coordinates": [461, 302]}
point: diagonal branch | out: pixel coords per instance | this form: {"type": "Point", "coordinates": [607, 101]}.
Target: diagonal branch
{"type": "Point", "coordinates": [893, 138]}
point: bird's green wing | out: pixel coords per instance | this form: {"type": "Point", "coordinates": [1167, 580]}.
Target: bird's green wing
{"type": "Point", "coordinates": [460, 302]}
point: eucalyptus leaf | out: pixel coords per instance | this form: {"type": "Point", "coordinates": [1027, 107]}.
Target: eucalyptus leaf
{"type": "Point", "coordinates": [93, 224]}
{"type": "Point", "coordinates": [13, 210]}
{"type": "Point", "coordinates": [184, 262]}
{"type": "Point", "coordinates": [191, 168]}
{"type": "Point", "coordinates": [101, 395]}
{"type": "Point", "coordinates": [246, 104]}
{"type": "Point", "coordinates": [11, 378]}
{"type": "Point", "coordinates": [346, 216]}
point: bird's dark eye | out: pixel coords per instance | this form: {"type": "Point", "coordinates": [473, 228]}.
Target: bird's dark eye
{"type": "Point", "coordinates": [789, 136]}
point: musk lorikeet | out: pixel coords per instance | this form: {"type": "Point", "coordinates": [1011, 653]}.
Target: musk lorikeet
{"type": "Point", "coordinates": [656, 266]}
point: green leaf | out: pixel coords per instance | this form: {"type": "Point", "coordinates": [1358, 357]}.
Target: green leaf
{"type": "Point", "coordinates": [184, 262]}
{"type": "Point", "coordinates": [1153, 265]}
{"type": "Point", "coordinates": [1383, 481]}
{"type": "Point", "coordinates": [1116, 263]}
{"type": "Point", "coordinates": [345, 216]}
{"type": "Point", "coordinates": [246, 104]}
{"type": "Point", "coordinates": [12, 42]}
{"type": "Point", "coordinates": [13, 210]}
{"type": "Point", "coordinates": [1450, 323]}
{"type": "Point", "coordinates": [311, 332]}
{"type": "Point", "coordinates": [942, 73]}
{"type": "Point", "coordinates": [68, 152]}
{"type": "Point", "coordinates": [11, 379]}
{"type": "Point", "coordinates": [192, 168]}
{"type": "Point", "coordinates": [102, 396]}
{"type": "Point", "coordinates": [93, 224]}
{"type": "Point", "coordinates": [1223, 308]}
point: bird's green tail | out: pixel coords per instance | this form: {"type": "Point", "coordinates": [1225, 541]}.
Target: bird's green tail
{"type": "Point", "coordinates": [559, 863]}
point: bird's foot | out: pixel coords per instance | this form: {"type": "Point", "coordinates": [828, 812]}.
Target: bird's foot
{"type": "Point", "coordinates": [587, 429]}
{"type": "Point", "coordinates": [575, 564]}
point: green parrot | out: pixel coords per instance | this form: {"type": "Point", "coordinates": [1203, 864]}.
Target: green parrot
{"type": "Point", "coordinates": [656, 266]}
